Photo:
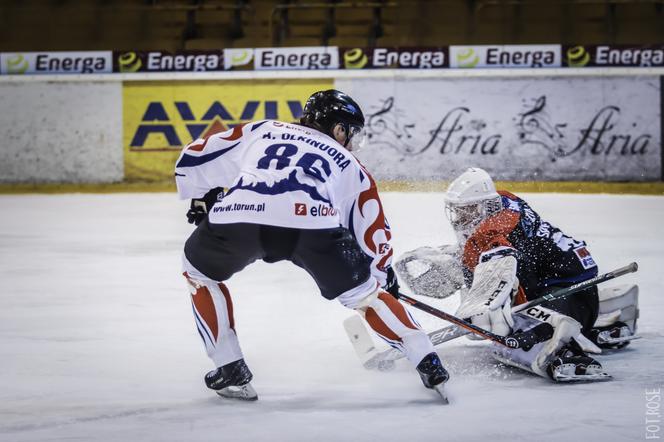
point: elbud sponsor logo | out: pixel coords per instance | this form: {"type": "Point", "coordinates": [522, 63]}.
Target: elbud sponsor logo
{"type": "Point", "coordinates": [614, 56]}
{"type": "Point", "coordinates": [93, 62]}
{"type": "Point", "coordinates": [301, 209]}
{"type": "Point", "coordinates": [402, 58]}
{"type": "Point", "coordinates": [508, 56]}
{"type": "Point", "coordinates": [313, 57]}
{"type": "Point", "coordinates": [158, 61]}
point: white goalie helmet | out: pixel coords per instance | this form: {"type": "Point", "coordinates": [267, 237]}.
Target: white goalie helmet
{"type": "Point", "coordinates": [470, 199]}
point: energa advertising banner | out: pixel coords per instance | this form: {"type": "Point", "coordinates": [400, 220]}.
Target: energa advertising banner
{"type": "Point", "coordinates": [88, 62]}
{"type": "Point", "coordinates": [159, 118]}
{"type": "Point", "coordinates": [564, 128]}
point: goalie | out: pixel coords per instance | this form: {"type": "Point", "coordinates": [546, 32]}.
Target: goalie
{"type": "Point", "coordinates": [507, 255]}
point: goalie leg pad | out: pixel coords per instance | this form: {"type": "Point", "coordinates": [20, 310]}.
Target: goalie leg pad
{"type": "Point", "coordinates": [616, 326]}
{"type": "Point", "coordinates": [564, 329]}
{"type": "Point", "coordinates": [537, 359]}
{"type": "Point", "coordinates": [619, 303]}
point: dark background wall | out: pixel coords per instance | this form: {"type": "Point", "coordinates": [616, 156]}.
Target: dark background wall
{"type": "Point", "coordinates": [31, 25]}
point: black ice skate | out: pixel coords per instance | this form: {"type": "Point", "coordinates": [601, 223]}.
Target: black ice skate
{"type": "Point", "coordinates": [571, 364]}
{"type": "Point", "coordinates": [433, 374]}
{"type": "Point", "coordinates": [232, 381]}
{"type": "Point", "coordinates": [614, 336]}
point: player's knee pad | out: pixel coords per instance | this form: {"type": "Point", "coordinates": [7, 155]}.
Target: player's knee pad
{"type": "Point", "coordinates": [360, 297]}
{"type": "Point", "coordinates": [619, 303]}
{"type": "Point", "coordinates": [195, 279]}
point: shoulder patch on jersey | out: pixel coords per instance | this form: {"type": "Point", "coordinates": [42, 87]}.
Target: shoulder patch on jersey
{"type": "Point", "coordinates": [192, 161]}
{"type": "Point", "coordinates": [585, 257]}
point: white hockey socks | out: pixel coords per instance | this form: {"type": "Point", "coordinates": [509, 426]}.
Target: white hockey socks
{"type": "Point", "coordinates": [390, 319]}
{"type": "Point", "coordinates": [213, 312]}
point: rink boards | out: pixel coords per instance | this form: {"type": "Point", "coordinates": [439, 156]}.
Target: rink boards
{"type": "Point", "coordinates": [424, 127]}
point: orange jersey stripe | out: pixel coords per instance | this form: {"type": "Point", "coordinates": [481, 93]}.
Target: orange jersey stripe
{"type": "Point", "coordinates": [520, 297]}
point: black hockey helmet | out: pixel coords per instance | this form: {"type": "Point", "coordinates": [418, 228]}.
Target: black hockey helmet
{"type": "Point", "coordinates": [326, 109]}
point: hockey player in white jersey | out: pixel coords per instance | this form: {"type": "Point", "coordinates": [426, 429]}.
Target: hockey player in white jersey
{"type": "Point", "coordinates": [507, 254]}
{"type": "Point", "coordinates": [296, 193]}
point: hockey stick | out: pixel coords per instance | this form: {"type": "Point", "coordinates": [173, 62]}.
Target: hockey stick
{"type": "Point", "coordinates": [567, 291]}
{"type": "Point", "coordinates": [450, 332]}
{"type": "Point", "coordinates": [386, 357]}
{"type": "Point", "coordinates": [512, 341]}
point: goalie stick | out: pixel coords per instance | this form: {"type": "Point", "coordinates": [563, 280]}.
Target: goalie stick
{"type": "Point", "coordinates": [511, 341]}
{"type": "Point", "coordinates": [383, 360]}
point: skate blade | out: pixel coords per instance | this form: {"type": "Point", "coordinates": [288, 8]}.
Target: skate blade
{"type": "Point", "coordinates": [597, 377]}
{"type": "Point", "coordinates": [613, 341]}
{"type": "Point", "coordinates": [244, 393]}
{"type": "Point", "coordinates": [440, 389]}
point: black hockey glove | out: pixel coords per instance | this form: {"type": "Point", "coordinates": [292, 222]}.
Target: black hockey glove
{"type": "Point", "coordinates": [200, 206]}
{"type": "Point", "coordinates": [197, 212]}
{"type": "Point", "coordinates": [392, 284]}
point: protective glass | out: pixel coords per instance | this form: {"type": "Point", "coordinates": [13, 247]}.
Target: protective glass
{"type": "Point", "coordinates": [357, 137]}
{"type": "Point", "coordinates": [462, 216]}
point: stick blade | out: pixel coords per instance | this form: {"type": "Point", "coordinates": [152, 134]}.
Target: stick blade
{"type": "Point", "coordinates": [360, 339]}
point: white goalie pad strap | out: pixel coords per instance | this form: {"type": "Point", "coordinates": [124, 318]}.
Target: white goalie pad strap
{"type": "Point", "coordinates": [431, 271]}
{"type": "Point", "coordinates": [587, 345]}
{"type": "Point", "coordinates": [488, 302]}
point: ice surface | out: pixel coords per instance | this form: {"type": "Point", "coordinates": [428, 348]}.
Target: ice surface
{"type": "Point", "coordinates": [97, 339]}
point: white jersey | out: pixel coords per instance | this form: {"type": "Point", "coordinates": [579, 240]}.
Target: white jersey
{"type": "Point", "coordinates": [287, 175]}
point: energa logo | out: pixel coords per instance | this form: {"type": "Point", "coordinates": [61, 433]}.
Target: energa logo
{"type": "Point", "coordinates": [355, 59]}
{"type": "Point", "coordinates": [577, 57]}
{"type": "Point", "coordinates": [16, 64]}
